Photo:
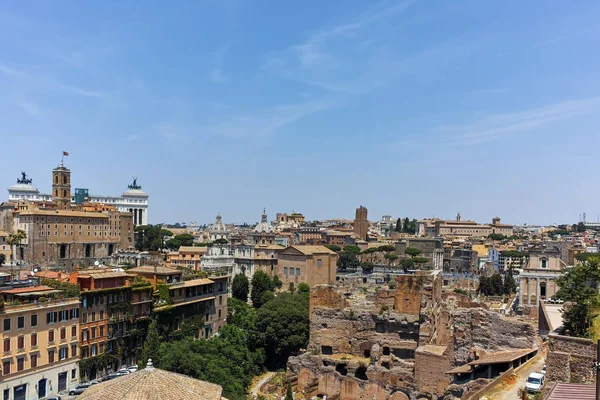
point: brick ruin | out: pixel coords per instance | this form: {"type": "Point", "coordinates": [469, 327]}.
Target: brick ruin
{"type": "Point", "coordinates": [371, 342]}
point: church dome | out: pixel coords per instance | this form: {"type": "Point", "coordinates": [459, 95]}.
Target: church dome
{"type": "Point", "coordinates": [218, 226]}
{"type": "Point", "coordinates": [263, 226]}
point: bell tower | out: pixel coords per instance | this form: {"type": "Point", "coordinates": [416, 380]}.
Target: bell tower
{"type": "Point", "coordinates": [61, 187]}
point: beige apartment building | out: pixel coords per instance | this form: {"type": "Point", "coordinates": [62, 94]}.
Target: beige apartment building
{"type": "Point", "coordinates": [186, 256]}
{"type": "Point", "coordinates": [39, 339]}
{"type": "Point", "coordinates": [461, 228]}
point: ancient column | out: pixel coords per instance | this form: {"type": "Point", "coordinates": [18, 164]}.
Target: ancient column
{"type": "Point", "coordinates": [528, 292]}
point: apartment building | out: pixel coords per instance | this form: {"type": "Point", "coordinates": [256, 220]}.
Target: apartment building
{"type": "Point", "coordinates": [186, 256]}
{"type": "Point", "coordinates": [306, 264]}
{"type": "Point", "coordinates": [39, 336]}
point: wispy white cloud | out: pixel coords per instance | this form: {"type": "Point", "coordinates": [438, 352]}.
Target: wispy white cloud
{"type": "Point", "coordinates": [219, 57]}
{"type": "Point", "coordinates": [501, 125]}
{"type": "Point", "coordinates": [77, 90]}
{"type": "Point", "coordinates": [12, 71]}
{"type": "Point", "coordinates": [343, 58]}
{"type": "Point", "coordinates": [30, 107]}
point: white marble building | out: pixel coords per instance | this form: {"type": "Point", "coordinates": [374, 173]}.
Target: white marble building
{"type": "Point", "coordinates": [134, 200]}
{"type": "Point", "coordinates": [218, 256]}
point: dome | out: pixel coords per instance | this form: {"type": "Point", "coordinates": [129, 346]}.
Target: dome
{"type": "Point", "coordinates": [218, 226]}
{"type": "Point", "coordinates": [153, 384]}
{"type": "Point", "coordinates": [263, 226]}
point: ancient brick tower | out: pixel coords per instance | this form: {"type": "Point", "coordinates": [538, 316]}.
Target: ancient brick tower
{"type": "Point", "coordinates": [61, 187]}
{"type": "Point", "coordinates": [361, 224]}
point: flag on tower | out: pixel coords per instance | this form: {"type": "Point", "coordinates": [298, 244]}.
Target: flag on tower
{"type": "Point", "coordinates": [65, 153]}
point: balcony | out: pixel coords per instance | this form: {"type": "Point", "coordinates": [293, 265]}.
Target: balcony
{"type": "Point", "coordinates": [18, 306]}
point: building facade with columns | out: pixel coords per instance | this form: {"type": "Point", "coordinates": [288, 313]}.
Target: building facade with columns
{"type": "Point", "coordinates": [538, 279]}
{"type": "Point", "coordinates": [134, 200]}
{"type": "Point", "coordinates": [219, 255]}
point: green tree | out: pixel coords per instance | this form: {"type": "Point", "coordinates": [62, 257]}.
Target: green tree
{"type": "Point", "coordinates": [185, 239]}
{"type": "Point", "coordinates": [291, 288]}
{"type": "Point", "coordinates": [367, 267]}
{"type": "Point", "coordinates": [289, 395]}
{"type": "Point", "coordinates": [510, 285]}
{"type": "Point", "coordinates": [580, 227]}
{"type": "Point", "coordinates": [406, 225]}
{"type": "Point", "coordinates": [391, 258]}
{"type": "Point", "coordinates": [392, 283]}
{"type": "Point", "coordinates": [266, 297]}
{"type": "Point", "coordinates": [2, 259]}
{"type": "Point", "coordinates": [386, 248]}
{"type": "Point", "coordinates": [352, 250]}
{"type": "Point", "coordinates": [347, 261]}
{"type": "Point", "coordinates": [282, 327]}
{"type": "Point", "coordinates": [240, 287]}
{"type": "Point", "coordinates": [407, 264]}
{"type": "Point", "coordinates": [151, 347]}
{"type": "Point", "coordinates": [277, 282]}
{"type": "Point", "coordinates": [150, 237]}
{"type": "Point", "coordinates": [579, 286]}
{"type": "Point", "coordinates": [497, 285]}
{"type": "Point", "coordinates": [333, 247]}
{"type": "Point", "coordinates": [303, 288]}
{"type": "Point", "coordinates": [412, 251]}
{"type": "Point", "coordinates": [241, 315]}
{"type": "Point", "coordinates": [398, 225]}
{"type": "Point", "coordinates": [496, 236]}
{"type": "Point", "coordinates": [16, 239]}
{"type": "Point", "coordinates": [261, 282]}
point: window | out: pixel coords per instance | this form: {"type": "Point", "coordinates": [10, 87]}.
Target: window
{"type": "Point", "coordinates": [297, 271]}
{"type": "Point", "coordinates": [319, 262]}
{"type": "Point", "coordinates": [64, 315]}
{"type": "Point", "coordinates": [51, 335]}
{"type": "Point", "coordinates": [101, 314]}
{"type": "Point", "coordinates": [544, 263]}
{"type": "Point", "coordinates": [285, 270]}
{"type": "Point", "coordinates": [6, 324]}
{"type": "Point", "coordinates": [73, 331]}
{"type": "Point", "coordinates": [20, 363]}
{"type": "Point", "coordinates": [73, 350]}
{"type": "Point", "coordinates": [84, 334]}
{"type": "Point", "coordinates": [74, 373]}
{"type": "Point", "coordinates": [219, 313]}
{"type": "Point", "coordinates": [6, 395]}
{"type": "Point", "coordinates": [6, 345]}
{"type": "Point", "coordinates": [63, 353]}
{"type": "Point", "coordinates": [50, 356]}
{"type": "Point", "coordinates": [94, 316]}
{"type": "Point", "coordinates": [34, 320]}
{"type": "Point", "coordinates": [101, 331]}
{"type": "Point", "coordinates": [93, 333]}
{"type": "Point", "coordinates": [34, 340]}
{"type": "Point", "coordinates": [21, 342]}
{"type": "Point", "coordinates": [220, 300]}
{"type": "Point", "coordinates": [94, 350]}
{"type": "Point", "coordinates": [33, 359]}
{"type": "Point", "coordinates": [20, 322]}
{"type": "Point", "coordinates": [51, 317]}
{"type": "Point", "coordinates": [6, 368]}
{"type": "Point", "coordinates": [63, 333]}
{"type": "Point", "coordinates": [84, 318]}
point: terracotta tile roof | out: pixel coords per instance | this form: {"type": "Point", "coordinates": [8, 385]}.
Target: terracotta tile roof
{"type": "Point", "coordinates": [153, 384]}
{"type": "Point", "coordinates": [570, 391]}
{"type": "Point", "coordinates": [2, 233]}
{"type": "Point", "coordinates": [27, 289]}
{"type": "Point", "coordinates": [269, 247]}
{"type": "Point", "coordinates": [501, 357]}
{"type": "Point", "coordinates": [461, 369]}
{"type": "Point", "coordinates": [192, 249]}
{"type": "Point", "coordinates": [192, 282]}
{"type": "Point", "coordinates": [308, 250]}
{"type": "Point", "coordinates": [149, 269]}
{"type": "Point", "coordinates": [102, 274]}
{"type": "Point", "coordinates": [64, 213]}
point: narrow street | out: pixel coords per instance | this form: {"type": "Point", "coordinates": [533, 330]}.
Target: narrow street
{"type": "Point", "coordinates": [511, 392]}
{"type": "Point", "coordinates": [256, 387]}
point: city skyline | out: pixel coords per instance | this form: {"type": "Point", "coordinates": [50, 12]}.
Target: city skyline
{"type": "Point", "coordinates": [409, 108]}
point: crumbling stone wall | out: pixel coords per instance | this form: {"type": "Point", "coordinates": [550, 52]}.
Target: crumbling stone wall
{"type": "Point", "coordinates": [369, 341]}
{"type": "Point", "coordinates": [570, 359]}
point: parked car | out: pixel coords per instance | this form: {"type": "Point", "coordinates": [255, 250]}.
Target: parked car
{"type": "Point", "coordinates": [535, 382]}
{"type": "Point", "coordinates": [113, 375]}
{"type": "Point", "coordinates": [57, 397]}
{"type": "Point", "coordinates": [82, 387]}
{"type": "Point", "coordinates": [123, 371]}
{"type": "Point", "coordinates": [133, 368]}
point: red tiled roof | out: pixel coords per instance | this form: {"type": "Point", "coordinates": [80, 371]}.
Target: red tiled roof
{"type": "Point", "coordinates": [27, 289]}
{"type": "Point", "coordinates": [570, 391]}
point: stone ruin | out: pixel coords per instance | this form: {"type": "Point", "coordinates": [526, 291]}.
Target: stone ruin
{"type": "Point", "coordinates": [373, 342]}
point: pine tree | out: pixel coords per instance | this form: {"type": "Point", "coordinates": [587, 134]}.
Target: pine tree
{"type": "Point", "coordinates": [151, 347]}
{"type": "Point", "coordinates": [240, 287]}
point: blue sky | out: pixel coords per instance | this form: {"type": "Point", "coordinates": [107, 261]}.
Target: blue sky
{"type": "Point", "coordinates": [414, 108]}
